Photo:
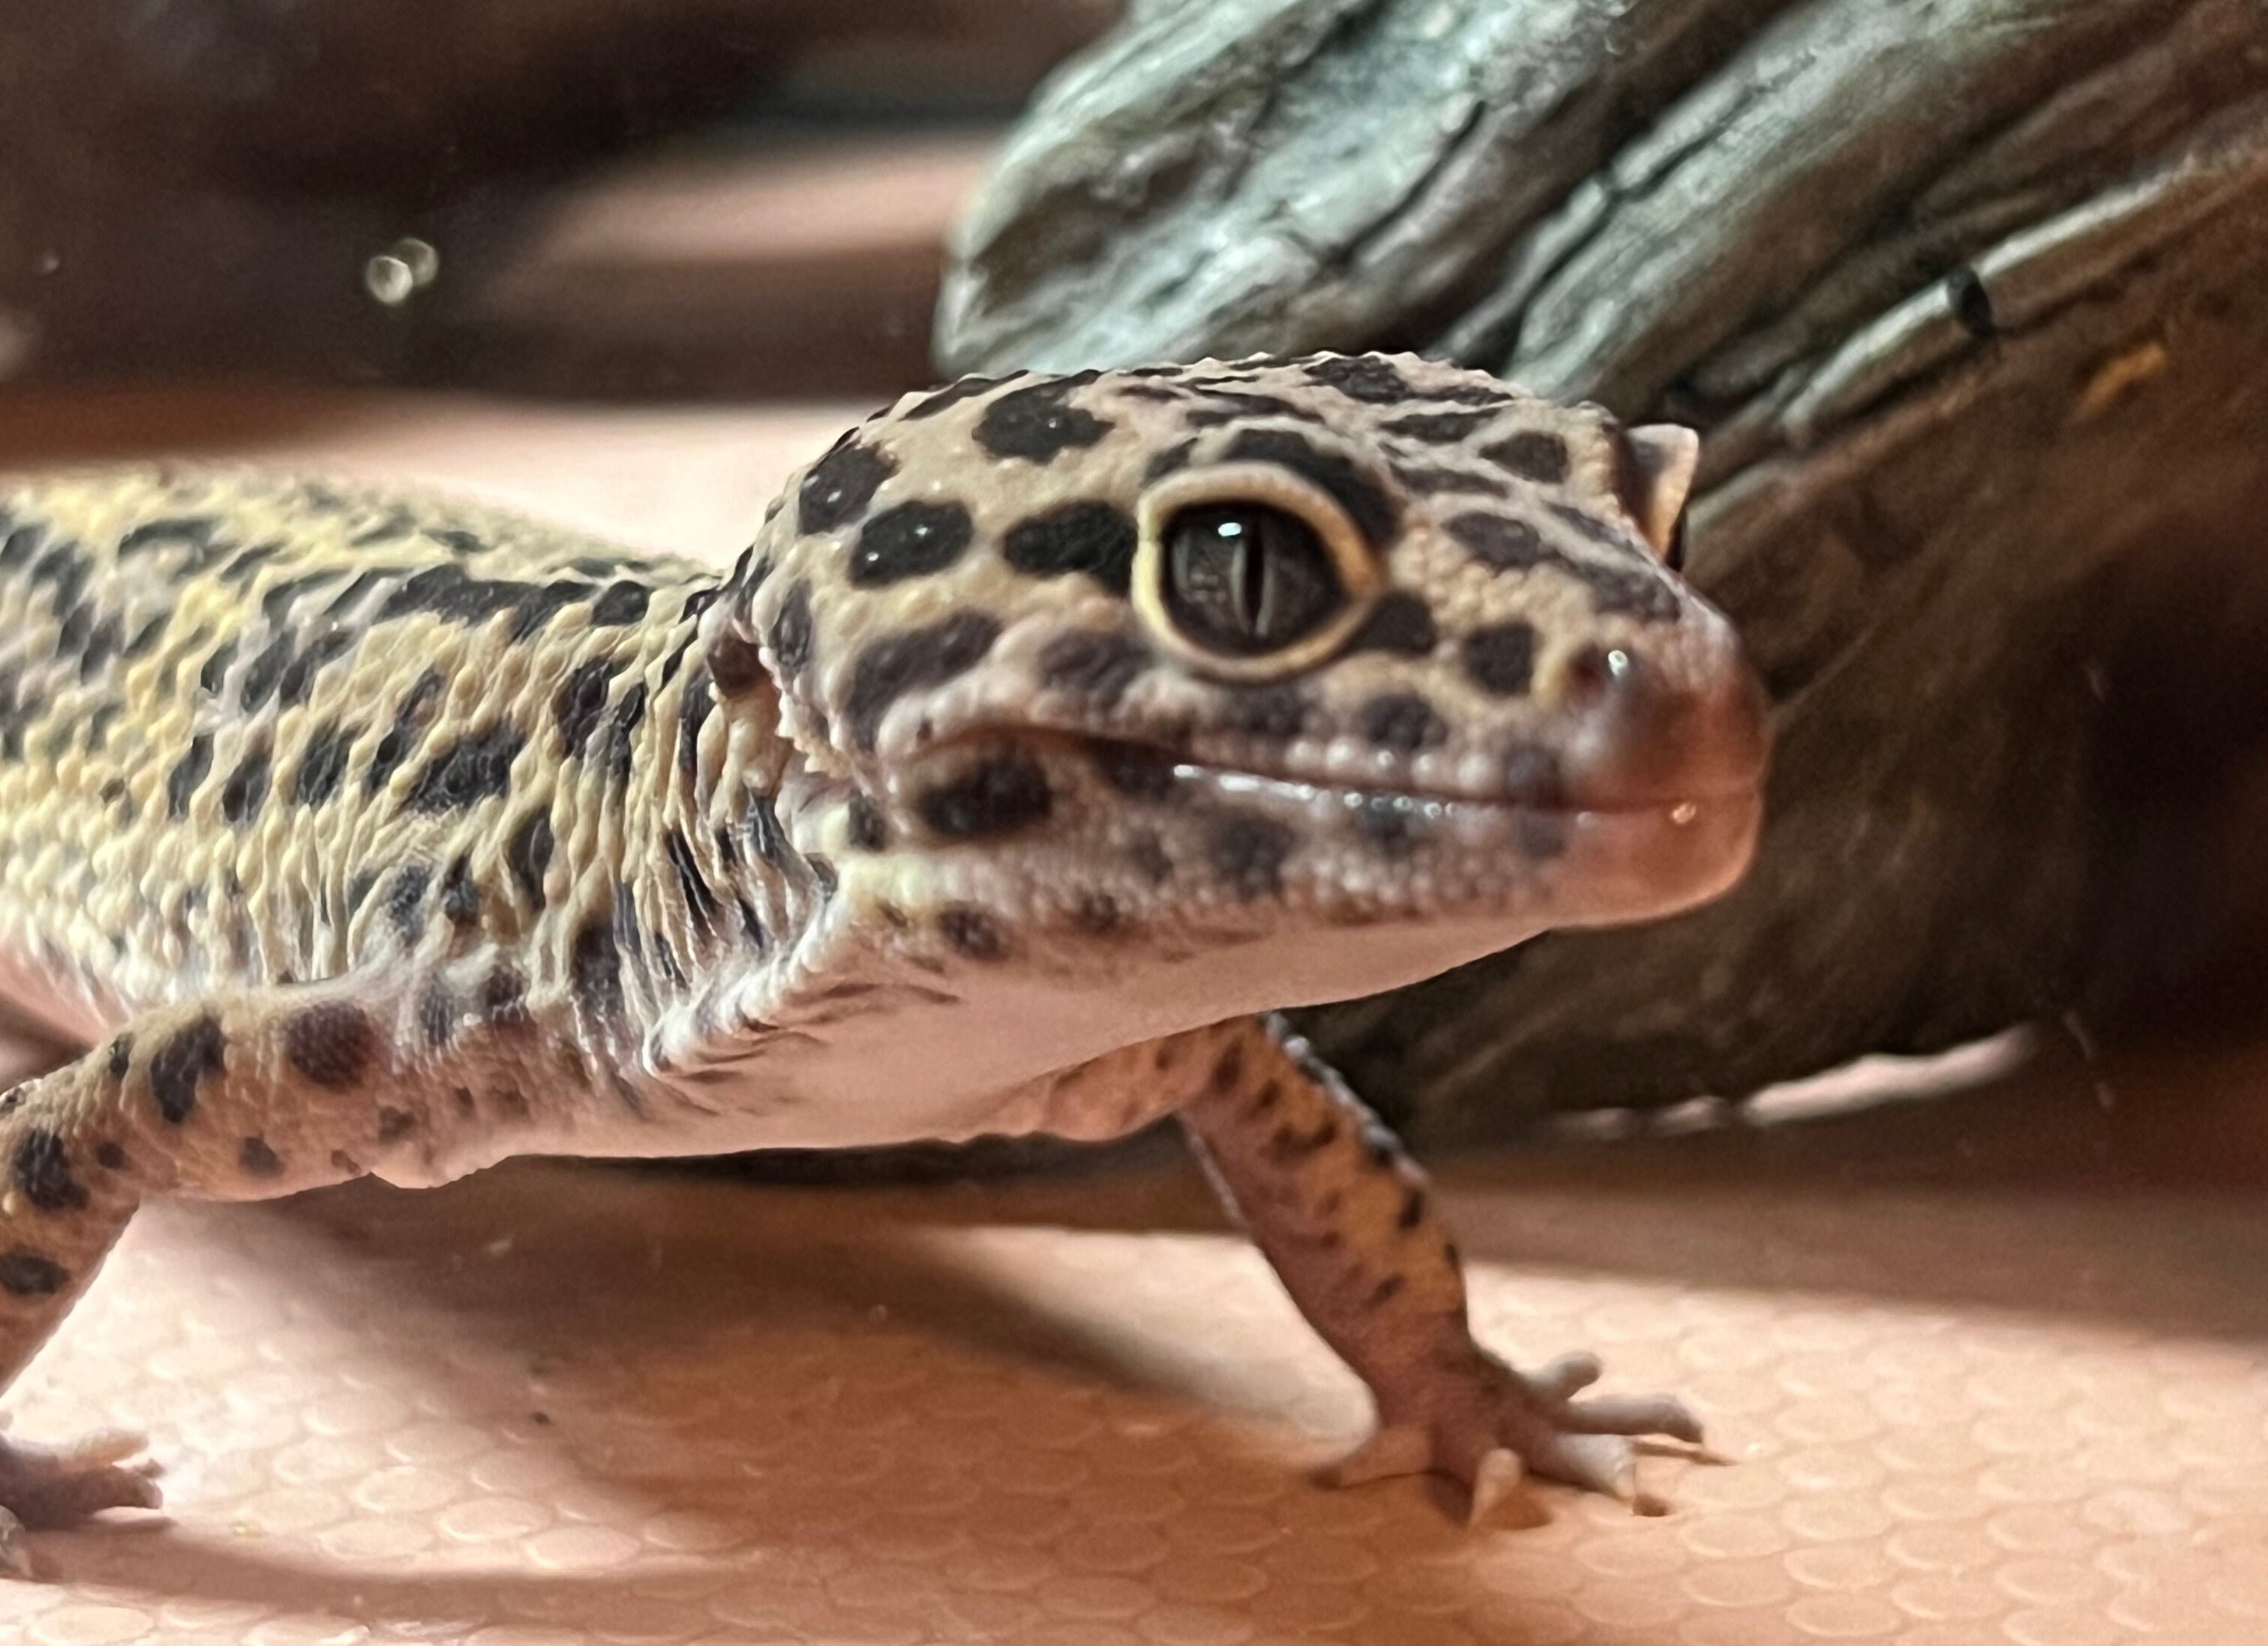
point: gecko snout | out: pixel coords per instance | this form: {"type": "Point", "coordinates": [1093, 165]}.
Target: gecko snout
{"type": "Point", "coordinates": [1649, 731]}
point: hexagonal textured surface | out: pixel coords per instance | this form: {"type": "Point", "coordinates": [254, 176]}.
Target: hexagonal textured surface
{"type": "Point", "coordinates": [557, 1404]}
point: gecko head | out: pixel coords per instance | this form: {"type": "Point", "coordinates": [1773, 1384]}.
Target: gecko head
{"type": "Point", "coordinates": [1370, 652]}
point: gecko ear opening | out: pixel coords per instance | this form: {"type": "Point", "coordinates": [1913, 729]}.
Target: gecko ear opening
{"type": "Point", "coordinates": [1663, 459]}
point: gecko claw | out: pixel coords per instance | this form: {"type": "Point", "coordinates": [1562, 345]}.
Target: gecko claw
{"type": "Point", "coordinates": [1499, 1476]}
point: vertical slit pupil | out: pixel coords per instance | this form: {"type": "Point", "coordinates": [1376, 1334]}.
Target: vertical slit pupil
{"type": "Point", "coordinates": [1243, 578]}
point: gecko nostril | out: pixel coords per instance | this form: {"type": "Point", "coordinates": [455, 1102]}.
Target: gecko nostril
{"type": "Point", "coordinates": [1593, 672]}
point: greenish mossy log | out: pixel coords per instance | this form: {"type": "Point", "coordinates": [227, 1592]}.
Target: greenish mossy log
{"type": "Point", "coordinates": [1969, 300]}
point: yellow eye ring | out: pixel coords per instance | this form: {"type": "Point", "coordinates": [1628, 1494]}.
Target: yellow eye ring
{"type": "Point", "coordinates": [1353, 566]}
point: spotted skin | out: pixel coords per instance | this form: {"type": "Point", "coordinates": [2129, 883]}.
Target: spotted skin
{"type": "Point", "coordinates": [1049, 729]}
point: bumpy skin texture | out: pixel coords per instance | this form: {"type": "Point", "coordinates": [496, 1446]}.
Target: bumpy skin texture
{"type": "Point", "coordinates": [1048, 730]}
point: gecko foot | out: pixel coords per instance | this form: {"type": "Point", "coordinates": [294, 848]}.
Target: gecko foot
{"type": "Point", "coordinates": [46, 1486]}
{"type": "Point", "coordinates": [1489, 1425]}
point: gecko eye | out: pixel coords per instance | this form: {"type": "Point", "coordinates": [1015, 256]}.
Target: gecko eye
{"type": "Point", "coordinates": [1244, 579]}
{"type": "Point", "coordinates": [1249, 571]}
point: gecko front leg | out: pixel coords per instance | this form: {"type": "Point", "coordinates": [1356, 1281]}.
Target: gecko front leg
{"type": "Point", "coordinates": [1342, 1214]}
{"type": "Point", "coordinates": [245, 1096]}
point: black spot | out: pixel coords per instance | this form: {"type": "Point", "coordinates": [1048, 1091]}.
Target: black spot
{"type": "Point", "coordinates": [621, 603]}
{"type": "Point", "coordinates": [16, 546]}
{"type": "Point", "coordinates": [245, 788]}
{"type": "Point", "coordinates": [1413, 1209]}
{"type": "Point", "coordinates": [1532, 777]}
{"type": "Point", "coordinates": [257, 1159]}
{"type": "Point", "coordinates": [1171, 461]}
{"type": "Point", "coordinates": [1402, 623]}
{"type": "Point", "coordinates": [952, 394]}
{"type": "Point", "coordinates": [191, 531]}
{"type": "Point", "coordinates": [121, 1057]}
{"type": "Point", "coordinates": [1389, 823]}
{"type": "Point", "coordinates": [973, 933]}
{"type": "Point", "coordinates": [1385, 1291]}
{"type": "Point", "coordinates": [840, 485]}
{"type": "Point", "coordinates": [1037, 423]}
{"type": "Point", "coordinates": [41, 1169]}
{"type": "Point", "coordinates": [1971, 303]}
{"type": "Point", "coordinates": [901, 662]}
{"type": "Point", "coordinates": [322, 764]}
{"type": "Point", "coordinates": [1402, 721]}
{"type": "Point", "coordinates": [791, 630]}
{"type": "Point", "coordinates": [28, 1273]}
{"type": "Point", "coordinates": [215, 671]}
{"type": "Point", "coordinates": [864, 824]}
{"type": "Point", "coordinates": [405, 900]}
{"type": "Point", "coordinates": [299, 682]}
{"type": "Point", "coordinates": [409, 723]}
{"type": "Point", "coordinates": [447, 593]}
{"type": "Point", "coordinates": [693, 705]}
{"type": "Point", "coordinates": [911, 540]}
{"type": "Point", "coordinates": [461, 894]}
{"type": "Point", "coordinates": [1366, 502]}
{"type": "Point", "coordinates": [145, 639]}
{"type": "Point", "coordinates": [1361, 376]}
{"type": "Point", "coordinates": [1096, 667]}
{"type": "Point", "coordinates": [1289, 1145]}
{"type": "Point", "coordinates": [1501, 659]}
{"type": "Point", "coordinates": [579, 702]}
{"type": "Point", "coordinates": [330, 1044]}
{"type": "Point", "coordinates": [102, 644]}
{"type": "Point", "coordinates": [176, 1067]}
{"type": "Point", "coordinates": [187, 772]}
{"type": "Point", "coordinates": [1250, 854]}
{"type": "Point", "coordinates": [528, 854]}
{"type": "Point", "coordinates": [394, 1125]}
{"type": "Point", "coordinates": [1135, 770]}
{"type": "Point", "coordinates": [110, 1155]}
{"type": "Point", "coordinates": [539, 607]}
{"type": "Point", "coordinates": [595, 965]}
{"type": "Point", "coordinates": [1501, 541]}
{"type": "Point", "coordinates": [621, 734]}
{"type": "Point", "coordinates": [1532, 454]}
{"type": "Point", "coordinates": [1098, 911]}
{"type": "Point", "coordinates": [1005, 793]}
{"type": "Point", "coordinates": [1096, 538]}
{"type": "Point", "coordinates": [67, 570]}
{"type": "Point", "coordinates": [1278, 713]}
{"type": "Point", "coordinates": [734, 664]}
{"type": "Point", "coordinates": [1228, 1067]}
{"type": "Point", "coordinates": [1441, 428]}
{"type": "Point", "coordinates": [1632, 593]}
{"type": "Point", "coordinates": [472, 769]}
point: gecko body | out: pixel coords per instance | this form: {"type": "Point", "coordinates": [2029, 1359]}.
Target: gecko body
{"type": "Point", "coordinates": [1050, 732]}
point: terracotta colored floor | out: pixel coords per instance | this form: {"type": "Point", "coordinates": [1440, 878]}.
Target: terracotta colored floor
{"type": "Point", "coordinates": [1993, 1368]}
